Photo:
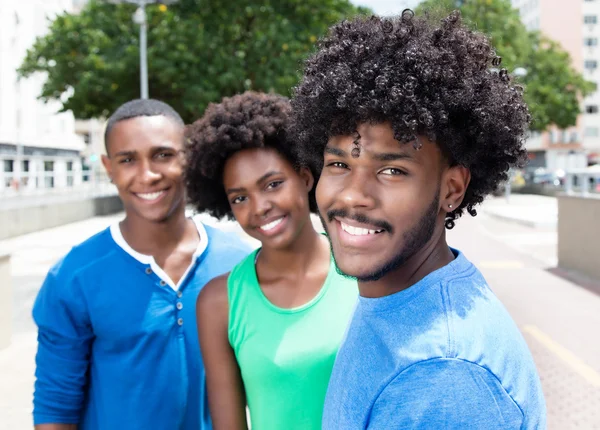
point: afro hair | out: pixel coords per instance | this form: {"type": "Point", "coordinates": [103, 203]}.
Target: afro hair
{"type": "Point", "coordinates": [246, 121]}
{"type": "Point", "coordinates": [434, 79]}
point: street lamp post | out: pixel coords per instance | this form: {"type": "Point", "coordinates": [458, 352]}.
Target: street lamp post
{"type": "Point", "coordinates": [139, 17]}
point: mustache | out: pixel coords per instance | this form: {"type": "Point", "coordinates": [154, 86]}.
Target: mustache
{"type": "Point", "coordinates": [358, 217]}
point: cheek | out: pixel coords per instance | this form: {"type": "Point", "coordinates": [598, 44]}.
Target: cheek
{"type": "Point", "coordinates": [240, 213]}
{"type": "Point", "coordinates": [324, 192]}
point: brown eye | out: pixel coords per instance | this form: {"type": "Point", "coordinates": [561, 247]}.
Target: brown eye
{"type": "Point", "coordinates": [392, 171]}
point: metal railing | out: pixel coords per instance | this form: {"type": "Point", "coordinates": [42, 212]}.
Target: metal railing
{"type": "Point", "coordinates": [584, 181]}
{"type": "Point", "coordinates": [88, 182]}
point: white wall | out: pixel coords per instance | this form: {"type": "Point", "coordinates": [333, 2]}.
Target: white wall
{"type": "Point", "coordinates": [23, 118]}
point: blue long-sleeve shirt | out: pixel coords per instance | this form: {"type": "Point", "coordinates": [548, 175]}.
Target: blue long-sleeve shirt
{"type": "Point", "coordinates": [117, 340]}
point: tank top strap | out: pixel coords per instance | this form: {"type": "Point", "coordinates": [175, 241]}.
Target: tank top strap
{"type": "Point", "coordinates": [239, 295]}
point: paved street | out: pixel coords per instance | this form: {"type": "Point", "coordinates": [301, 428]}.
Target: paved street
{"type": "Point", "coordinates": [559, 319]}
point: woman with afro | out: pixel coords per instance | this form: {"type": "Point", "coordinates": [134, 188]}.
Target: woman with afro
{"type": "Point", "coordinates": [410, 123]}
{"type": "Point", "coordinates": [270, 329]}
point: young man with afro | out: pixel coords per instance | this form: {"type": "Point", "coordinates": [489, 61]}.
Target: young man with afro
{"type": "Point", "coordinates": [411, 126]}
{"type": "Point", "coordinates": [117, 339]}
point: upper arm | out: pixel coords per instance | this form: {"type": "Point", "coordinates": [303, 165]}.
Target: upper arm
{"type": "Point", "coordinates": [56, 427]}
{"type": "Point", "coordinates": [64, 342]}
{"type": "Point", "coordinates": [226, 396]}
{"type": "Point", "coordinates": [445, 393]}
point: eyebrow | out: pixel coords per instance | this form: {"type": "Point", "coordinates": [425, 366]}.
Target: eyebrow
{"type": "Point", "coordinates": [122, 153]}
{"type": "Point", "coordinates": [261, 179]}
{"type": "Point", "coordinates": [335, 151]}
{"type": "Point", "coordinates": [383, 156]}
{"type": "Point", "coordinates": [392, 156]}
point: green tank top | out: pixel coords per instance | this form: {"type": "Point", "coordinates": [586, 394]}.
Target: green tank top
{"type": "Point", "coordinates": [286, 355]}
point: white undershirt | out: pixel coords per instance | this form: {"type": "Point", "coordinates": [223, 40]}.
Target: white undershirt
{"type": "Point", "coordinates": [117, 236]}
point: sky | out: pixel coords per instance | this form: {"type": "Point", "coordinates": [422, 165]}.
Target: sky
{"type": "Point", "coordinates": [387, 7]}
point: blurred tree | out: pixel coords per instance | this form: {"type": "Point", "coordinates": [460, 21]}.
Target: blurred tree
{"type": "Point", "coordinates": [553, 88]}
{"type": "Point", "coordinates": [198, 51]}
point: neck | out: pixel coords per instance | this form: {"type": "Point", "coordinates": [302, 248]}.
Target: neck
{"type": "Point", "coordinates": [433, 256]}
{"type": "Point", "coordinates": [151, 238]}
{"type": "Point", "coordinates": [308, 247]}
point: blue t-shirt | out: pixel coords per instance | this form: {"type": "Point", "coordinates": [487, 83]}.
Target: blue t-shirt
{"type": "Point", "coordinates": [117, 340]}
{"type": "Point", "coordinates": [442, 354]}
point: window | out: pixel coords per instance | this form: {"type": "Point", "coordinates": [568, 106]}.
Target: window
{"type": "Point", "coordinates": [590, 65]}
{"type": "Point", "coordinates": [49, 174]}
{"type": "Point", "coordinates": [574, 137]}
{"type": "Point", "coordinates": [9, 166]}
{"type": "Point", "coordinates": [591, 109]}
{"type": "Point", "coordinates": [25, 165]}
{"type": "Point", "coordinates": [591, 132]}
{"type": "Point", "coordinates": [70, 174]}
{"type": "Point", "coordinates": [590, 41]}
{"type": "Point", "coordinates": [590, 19]}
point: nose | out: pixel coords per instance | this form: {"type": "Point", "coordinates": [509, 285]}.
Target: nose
{"type": "Point", "coordinates": [357, 191]}
{"type": "Point", "coordinates": [262, 206]}
{"type": "Point", "coordinates": [148, 174]}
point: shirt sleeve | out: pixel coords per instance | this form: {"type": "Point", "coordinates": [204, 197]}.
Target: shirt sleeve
{"type": "Point", "coordinates": [445, 394]}
{"type": "Point", "coordinates": [64, 341]}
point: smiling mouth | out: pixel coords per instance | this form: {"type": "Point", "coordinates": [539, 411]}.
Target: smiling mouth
{"type": "Point", "coordinates": [358, 231]}
{"type": "Point", "coordinates": [270, 226]}
{"type": "Point", "coordinates": [150, 196]}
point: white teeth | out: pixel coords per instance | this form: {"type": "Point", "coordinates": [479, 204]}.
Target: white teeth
{"type": "Point", "coordinates": [150, 196]}
{"type": "Point", "coordinates": [357, 231]}
{"type": "Point", "coordinates": [271, 225]}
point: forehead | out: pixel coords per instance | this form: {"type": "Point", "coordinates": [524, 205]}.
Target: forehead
{"type": "Point", "coordinates": [248, 165]}
{"type": "Point", "coordinates": [377, 139]}
{"type": "Point", "coordinates": [144, 132]}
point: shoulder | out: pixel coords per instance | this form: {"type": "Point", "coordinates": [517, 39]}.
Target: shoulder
{"type": "Point", "coordinates": [213, 296]}
{"type": "Point", "coordinates": [225, 241]}
{"type": "Point", "coordinates": [84, 255]}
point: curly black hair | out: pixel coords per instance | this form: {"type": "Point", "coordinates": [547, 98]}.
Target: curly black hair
{"type": "Point", "coordinates": [245, 121]}
{"type": "Point", "coordinates": [434, 79]}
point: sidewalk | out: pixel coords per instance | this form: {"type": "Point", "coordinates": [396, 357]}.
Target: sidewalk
{"type": "Point", "coordinates": [525, 209]}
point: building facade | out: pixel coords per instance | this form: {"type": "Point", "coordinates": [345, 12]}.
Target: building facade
{"type": "Point", "coordinates": [577, 29]}
{"type": "Point", "coordinates": [39, 146]}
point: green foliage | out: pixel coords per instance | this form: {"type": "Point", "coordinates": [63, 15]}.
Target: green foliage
{"type": "Point", "coordinates": [198, 51]}
{"type": "Point", "coordinates": [553, 88]}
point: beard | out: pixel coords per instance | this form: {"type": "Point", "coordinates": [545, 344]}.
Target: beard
{"type": "Point", "coordinates": [414, 240]}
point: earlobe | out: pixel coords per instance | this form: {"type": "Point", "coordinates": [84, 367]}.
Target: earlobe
{"type": "Point", "coordinates": [107, 166]}
{"type": "Point", "coordinates": [457, 181]}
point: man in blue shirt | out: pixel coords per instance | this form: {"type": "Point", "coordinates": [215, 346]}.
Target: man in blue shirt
{"type": "Point", "coordinates": [117, 340]}
{"type": "Point", "coordinates": [412, 127]}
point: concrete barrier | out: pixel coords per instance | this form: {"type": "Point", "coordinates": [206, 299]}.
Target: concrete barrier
{"type": "Point", "coordinates": [579, 233]}
{"type": "Point", "coordinates": [6, 300]}
{"type": "Point", "coordinates": [23, 220]}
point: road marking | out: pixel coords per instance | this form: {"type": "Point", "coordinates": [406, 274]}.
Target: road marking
{"type": "Point", "coordinates": [574, 362]}
{"type": "Point", "coordinates": [500, 264]}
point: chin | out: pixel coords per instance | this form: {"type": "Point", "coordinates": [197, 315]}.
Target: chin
{"type": "Point", "coordinates": [364, 271]}
{"type": "Point", "coordinates": [156, 216]}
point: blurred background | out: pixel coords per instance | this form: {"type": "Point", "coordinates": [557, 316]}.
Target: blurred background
{"type": "Point", "coordinates": [66, 64]}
